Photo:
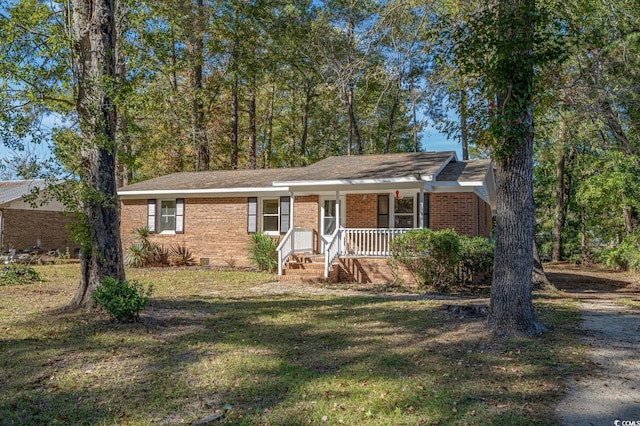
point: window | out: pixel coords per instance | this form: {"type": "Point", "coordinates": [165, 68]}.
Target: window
{"type": "Point", "coordinates": [166, 216]}
{"type": "Point", "coordinates": [270, 215]}
{"type": "Point", "coordinates": [329, 217]}
{"type": "Point", "coordinates": [403, 212]}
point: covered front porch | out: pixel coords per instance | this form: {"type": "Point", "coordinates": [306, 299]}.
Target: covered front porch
{"type": "Point", "coordinates": [343, 243]}
{"type": "Point", "coordinates": [361, 222]}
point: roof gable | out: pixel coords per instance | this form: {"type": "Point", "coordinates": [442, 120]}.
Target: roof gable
{"type": "Point", "coordinates": [16, 189]}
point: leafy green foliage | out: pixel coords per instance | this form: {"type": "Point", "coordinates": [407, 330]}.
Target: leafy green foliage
{"type": "Point", "coordinates": [263, 252]}
{"type": "Point", "coordinates": [144, 253]}
{"type": "Point", "coordinates": [122, 300]}
{"type": "Point", "coordinates": [438, 259]}
{"type": "Point", "coordinates": [431, 257]}
{"type": "Point", "coordinates": [476, 258]}
{"type": "Point", "coordinates": [625, 256]}
{"type": "Point", "coordinates": [15, 274]}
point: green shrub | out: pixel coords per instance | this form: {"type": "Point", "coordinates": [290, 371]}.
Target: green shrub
{"type": "Point", "coordinates": [122, 300]}
{"type": "Point", "coordinates": [431, 257]}
{"type": "Point", "coordinates": [14, 273]}
{"type": "Point", "coordinates": [437, 259]}
{"type": "Point", "coordinates": [263, 252]}
{"type": "Point", "coordinates": [625, 255]}
{"type": "Point", "coordinates": [476, 258]}
{"type": "Point", "coordinates": [136, 256]}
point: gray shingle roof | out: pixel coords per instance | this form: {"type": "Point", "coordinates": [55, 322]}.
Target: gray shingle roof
{"type": "Point", "coordinates": [464, 171]}
{"type": "Point", "coordinates": [379, 166]}
{"type": "Point", "coordinates": [219, 179]}
{"type": "Point", "coordinates": [331, 168]}
{"type": "Point", "coordinates": [14, 190]}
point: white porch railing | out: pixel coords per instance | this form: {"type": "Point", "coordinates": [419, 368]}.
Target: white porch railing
{"type": "Point", "coordinates": [343, 242]}
{"type": "Point", "coordinates": [332, 249]}
{"type": "Point", "coordinates": [294, 241]}
{"type": "Point", "coordinates": [368, 242]}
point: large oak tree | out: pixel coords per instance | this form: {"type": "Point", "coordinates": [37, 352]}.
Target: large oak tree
{"type": "Point", "coordinates": [94, 62]}
{"type": "Point", "coordinates": [511, 78]}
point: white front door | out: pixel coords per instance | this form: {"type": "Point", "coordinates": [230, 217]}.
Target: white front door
{"type": "Point", "coordinates": [328, 217]}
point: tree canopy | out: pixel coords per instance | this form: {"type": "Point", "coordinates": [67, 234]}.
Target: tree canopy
{"type": "Point", "coordinates": [224, 84]}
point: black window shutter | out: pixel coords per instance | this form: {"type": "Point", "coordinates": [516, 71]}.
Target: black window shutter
{"type": "Point", "coordinates": [426, 211]}
{"type": "Point", "coordinates": [179, 215]}
{"type": "Point", "coordinates": [383, 211]}
{"type": "Point", "coordinates": [252, 215]}
{"type": "Point", "coordinates": [151, 215]}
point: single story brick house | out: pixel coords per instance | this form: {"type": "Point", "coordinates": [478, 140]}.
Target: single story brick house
{"type": "Point", "coordinates": [333, 219]}
{"type": "Point", "coordinates": [23, 227]}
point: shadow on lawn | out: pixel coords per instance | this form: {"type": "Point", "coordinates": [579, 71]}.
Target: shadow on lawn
{"type": "Point", "coordinates": [286, 359]}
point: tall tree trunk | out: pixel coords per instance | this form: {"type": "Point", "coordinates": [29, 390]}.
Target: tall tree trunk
{"type": "Point", "coordinates": [94, 42]}
{"type": "Point", "coordinates": [414, 107]}
{"type": "Point", "coordinates": [124, 173]}
{"type": "Point", "coordinates": [464, 137]}
{"type": "Point", "coordinates": [392, 117]}
{"type": "Point", "coordinates": [308, 98]}
{"type": "Point", "coordinates": [558, 223]}
{"type": "Point", "coordinates": [353, 123]}
{"type": "Point", "coordinates": [584, 250]}
{"type": "Point", "coordinates": [269, 136]}
{"type": "Point", "coordinates": [539, 277]}
{"type": "Point", "coordinates": [253, 131]}
{"type": "Point", "coordinates": [511, 310]}
{"type": "Point", "coordinates": [196, 51]}
{"type": "Point", "coordinates": [234, 114]}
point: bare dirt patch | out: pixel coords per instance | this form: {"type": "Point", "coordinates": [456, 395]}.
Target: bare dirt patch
{"type": "Point", "coordinates": [610, 392]}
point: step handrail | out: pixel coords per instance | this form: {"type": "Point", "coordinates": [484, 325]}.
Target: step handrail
{"type": "Point", "coordinates": [332, 250]}
{"type": "Point", "coordinates": [295, 240]}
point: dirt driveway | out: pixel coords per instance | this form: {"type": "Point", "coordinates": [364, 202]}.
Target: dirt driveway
{"type": "Point", "coordinates": [610, 394]}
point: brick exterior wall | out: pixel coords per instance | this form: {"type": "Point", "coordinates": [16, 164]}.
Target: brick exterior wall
{"type": "Point", "coordinates": [362, 211]}
{"type": "Point", "coordinates": [214, 228]}
{"type": "Point", "coordinates": [373, 270]}
{"type": "Point", "coordinates": [454, 210]}
{"type": "Point", "coordinates": [23, 229]}
{"type": "Point", "coordinates": [486, 219]}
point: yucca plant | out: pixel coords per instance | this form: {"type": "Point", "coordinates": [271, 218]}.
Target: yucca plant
{"type": "Point", "coordinates": [136, 256]}
{"type": "Point", "coordinates": [263, 252]}
{"type": "Point", "coordinates": [181, 256]}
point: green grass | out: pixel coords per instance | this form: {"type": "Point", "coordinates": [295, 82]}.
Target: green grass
{"type": "Point", "coordinates": [628, 302]}
{"type": "Point", "coordinates": [214, 341]}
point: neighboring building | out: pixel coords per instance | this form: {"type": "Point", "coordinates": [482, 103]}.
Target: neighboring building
{"type": "Point", "coordinates": [23, 227]}
{"type": "Point", "coordinates": [344, 209]}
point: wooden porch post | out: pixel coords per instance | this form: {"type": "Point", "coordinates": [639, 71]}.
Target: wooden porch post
{"type": "Point", "coordinates": [338, 208]}
{"type": "Point", "coordinates": [421, 209]}
{"type": "Point", "coordinates": [292, 224]}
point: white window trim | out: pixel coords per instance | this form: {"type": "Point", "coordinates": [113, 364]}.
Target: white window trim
{"type": "Point", "coordinates": [159, 216]}
{"type": "Point", "coordinates": [392, 208]}
{"type": "Point", "coordinates": [262, 215]}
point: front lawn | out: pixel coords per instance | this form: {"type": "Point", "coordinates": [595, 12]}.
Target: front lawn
{"type": "Point", "coordinates": [218, 342]}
